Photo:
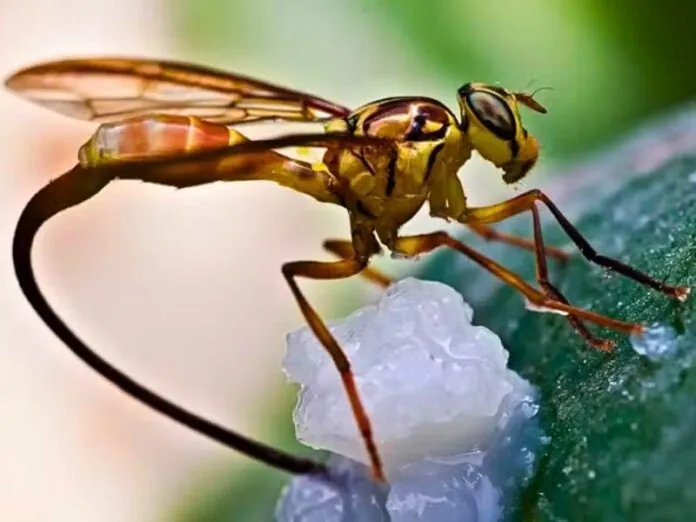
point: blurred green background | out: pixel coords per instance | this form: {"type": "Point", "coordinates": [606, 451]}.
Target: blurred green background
{"type": "Point", "coordinates": [611, 65]}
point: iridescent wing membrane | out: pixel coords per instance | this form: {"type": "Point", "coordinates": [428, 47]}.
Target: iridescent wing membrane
{"type": "Point", "coordinates": [112, 89]}
{"type": "Point", "coordinates": [108, 90]}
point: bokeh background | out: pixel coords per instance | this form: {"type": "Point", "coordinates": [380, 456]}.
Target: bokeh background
{"type": "Point", "coordinates": [183, 289]}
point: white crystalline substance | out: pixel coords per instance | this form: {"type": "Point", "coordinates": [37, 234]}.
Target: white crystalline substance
{"type": "Point", "coordinates": [479, 486]}
{"type": "Point", "coordinates": [432, 383]}
{"type": "Point", "coordinates": [357, 499]}
{"type": "Point", "coordinates": [451, 421]}
{"type": "Point", "coordinates": [656, 342]}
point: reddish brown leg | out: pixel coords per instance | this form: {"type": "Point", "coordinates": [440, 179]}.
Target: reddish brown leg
{"type": "Point", "coordinates": [524, 202]}
{"type": "Point", "coordinates": [542, 277]}
{"type": "Point", "coordinates": [489, 233]}
{"type": "Point", "coordinates": [420, 244]}
{"type": "Point", "coordinates": [328, 271]}
{"type": "Point", "coordinates": [344, 249]}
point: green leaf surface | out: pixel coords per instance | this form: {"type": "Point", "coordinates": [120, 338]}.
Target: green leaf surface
{"type": "Point", "coordinates": [621, 427]}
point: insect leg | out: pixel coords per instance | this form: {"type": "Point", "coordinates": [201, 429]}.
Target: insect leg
{"type": "Point", "coordinates": [420, 244]}
{"type": "Point", "coordinates": [542, 277]}
{"type": "Point", "coordinates": [73, 188]}
{"type": "Point", "coordinates": [524, 202]}
{"type": "Point", "coordinates": [491, 234]}
{"type": "Point", "coordinates": [344, 249]}
{"type": "Point", "coordinates": [328, 271]}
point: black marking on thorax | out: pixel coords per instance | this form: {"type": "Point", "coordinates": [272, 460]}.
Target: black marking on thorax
{"type": "Point", "coordinates": [431, 160]}
{"type": "Point", "coordinates": [364, 161]}
{"type": "Point", "coordinates": [415, 132]}
{"type": "Point", "coordinates": [514, 148]}
{"type": "Point", "coordinates": [426, 109]}
{"type": "Point", "coordinates": [391, 174]}
{"type": "Point", "coordinates": [352, 122]}
{"type": "Point", "coordinates": [364, 210]}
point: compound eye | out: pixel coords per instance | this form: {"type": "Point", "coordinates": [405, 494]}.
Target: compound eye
{"type": "Point", "coordinates": [494, 113]}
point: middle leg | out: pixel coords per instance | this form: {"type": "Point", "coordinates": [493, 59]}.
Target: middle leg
{"type": "Point", "coordinates": [344, 250]}
{"type": "Point", "coordinates": [489, 233]}
{"type": "Point", "coordinates": [542, 277]}
{"type": "Point", "coordinates": [423, 243]}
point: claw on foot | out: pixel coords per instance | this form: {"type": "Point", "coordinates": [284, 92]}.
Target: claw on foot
{"type": "Point", "coordinates": [681, 293]}
{"type": "Point", "coordinates": [603, 345]}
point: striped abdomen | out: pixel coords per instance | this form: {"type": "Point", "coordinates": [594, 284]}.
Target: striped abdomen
{"type": "Point", "coordinates": [148, 136]}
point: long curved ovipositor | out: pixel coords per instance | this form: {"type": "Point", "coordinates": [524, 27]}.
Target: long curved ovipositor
{"type": "Point", "coordinates": [82, 183]}
{"type": "Point", "coordinates": [71, 189]}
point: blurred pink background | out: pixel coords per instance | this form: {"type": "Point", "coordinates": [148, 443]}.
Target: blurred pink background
{"type": "Point", "coordinates": [174, 287]}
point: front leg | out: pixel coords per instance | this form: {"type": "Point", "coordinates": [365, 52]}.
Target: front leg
{"type": "Point", "coordinates": [447, 199]}
{"type": "Point", "coordinates": [527, 201]}
{"type": "Point", "coordinates": [450, 202]}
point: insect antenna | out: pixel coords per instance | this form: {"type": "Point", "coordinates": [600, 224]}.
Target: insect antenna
{"type": "Point", "coordinates": [539, 89]}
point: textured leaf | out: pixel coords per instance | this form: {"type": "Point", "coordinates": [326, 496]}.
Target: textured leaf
{"type": "Point", "coordinates": [621, 427]}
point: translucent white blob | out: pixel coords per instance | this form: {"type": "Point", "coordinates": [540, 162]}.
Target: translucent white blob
{"type": "Point", "coordinates": [478, 486]}
{"type": "Point", "coordinates": [656, 342]}
{"type": "Point", "coordinates": [353, 496]}
{"type": "Point", "coordinates": [451, 421]}
{"type": "Point", "coordinates": [431, 381]}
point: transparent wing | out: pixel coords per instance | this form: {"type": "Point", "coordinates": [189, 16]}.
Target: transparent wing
{"type": "Point", "coordinates": [110, 89]}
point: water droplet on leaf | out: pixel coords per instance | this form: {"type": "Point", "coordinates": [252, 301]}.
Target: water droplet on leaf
{"type": "Point", "coordinates": [656, 342]}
